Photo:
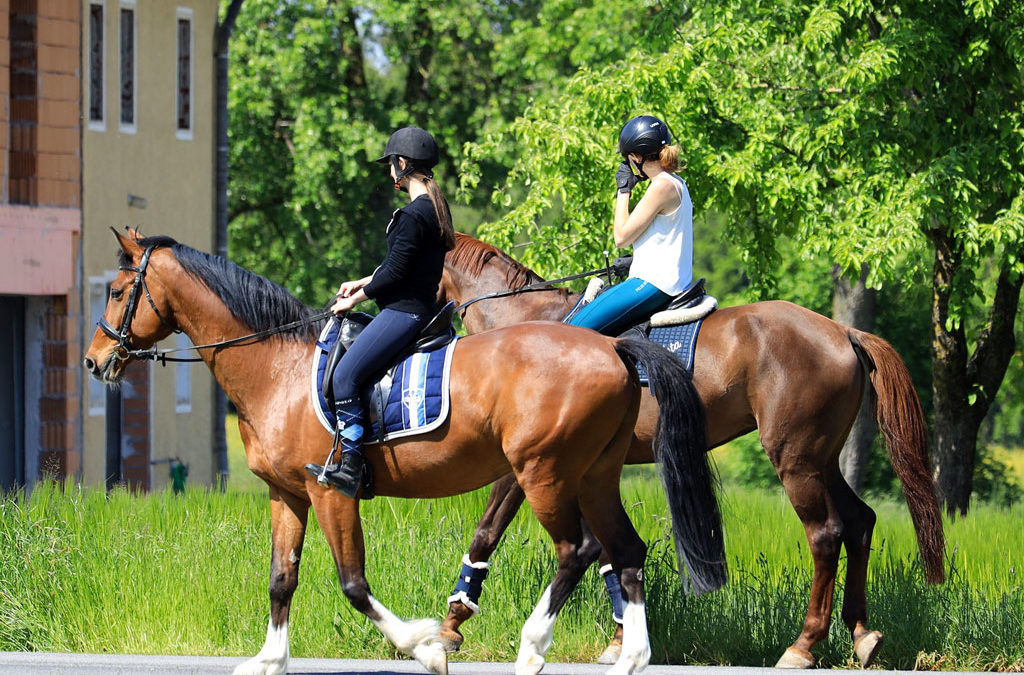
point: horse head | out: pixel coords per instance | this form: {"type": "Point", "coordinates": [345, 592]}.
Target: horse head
{"type": "Point", "coordinates": [129, 325]}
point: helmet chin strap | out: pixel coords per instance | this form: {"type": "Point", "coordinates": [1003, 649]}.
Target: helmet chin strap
{"type": "Point", "coordinates": [639, 169]}
{"type": "Point", "coordinates": [401, 173]}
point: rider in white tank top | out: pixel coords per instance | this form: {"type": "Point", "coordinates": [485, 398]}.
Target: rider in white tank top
{"type": "Point", "coordinates": [663, 254]}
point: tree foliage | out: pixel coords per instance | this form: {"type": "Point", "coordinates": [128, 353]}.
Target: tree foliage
{"type": "Point", "coordinates": [318, 86]}
{"type": "Point", "coordinates": [886, 134]}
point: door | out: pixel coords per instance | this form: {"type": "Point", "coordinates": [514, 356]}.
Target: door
{"type": "Point", "coordinates": [12, 392]}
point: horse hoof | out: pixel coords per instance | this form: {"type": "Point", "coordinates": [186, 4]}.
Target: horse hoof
{"type": "Point", "coordinates": [530, 666]}
{"type": "Point", "coordinates": [432, 656]}
{"type": "Point", "coordinates": [451, 640]}
{"type": "Point", "coordinates": [257, 666]}
{"type": "Point", "coordinates": [867, 647]}
{"type": "Point", "coordinates": [610, 654]}
{"type": "Point", "coordinates": [796, 659]}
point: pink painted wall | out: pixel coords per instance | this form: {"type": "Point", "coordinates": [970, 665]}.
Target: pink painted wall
{"type": "Point", "coordinates": [37, 249]}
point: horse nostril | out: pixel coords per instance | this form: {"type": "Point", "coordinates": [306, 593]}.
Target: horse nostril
{"type": "Point", "coordinates": [89, 365]}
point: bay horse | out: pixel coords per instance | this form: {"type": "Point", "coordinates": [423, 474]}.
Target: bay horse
{"type": "Point", "coordinates": [553, 404]}
{"type": "Point", "coordinates": [795, 376]}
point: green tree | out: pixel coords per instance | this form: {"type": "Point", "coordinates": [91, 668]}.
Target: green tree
{"type": "Point", "coordinates": [317, 86]}
{"type": "Point", "coordinates": [884, 134]}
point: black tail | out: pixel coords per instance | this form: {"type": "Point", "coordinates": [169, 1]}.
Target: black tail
{"type": "Point", "coordinates": [681, 450]}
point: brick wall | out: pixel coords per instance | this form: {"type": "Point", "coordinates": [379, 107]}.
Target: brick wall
{"type": "Point", "coordinates": [135, 426]}
{"type": "Point", "coordinates": [60, 395]}
{"type": "Point", "coordinates": [59, 93]}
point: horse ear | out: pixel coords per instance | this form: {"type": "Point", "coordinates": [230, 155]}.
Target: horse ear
{"type": "Point", "coordinates": [128, 244]}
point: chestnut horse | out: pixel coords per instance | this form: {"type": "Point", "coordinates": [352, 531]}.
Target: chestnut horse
{"type": "Point", "coordinates": [553, 404]}
{"type": "Point", "coordinates": [795, 376]}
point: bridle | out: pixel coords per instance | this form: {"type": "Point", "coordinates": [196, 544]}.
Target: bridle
{"type": "Point", "coordinates": [124, 344]}
{"type": "Point", "coordinates": [121, 335]}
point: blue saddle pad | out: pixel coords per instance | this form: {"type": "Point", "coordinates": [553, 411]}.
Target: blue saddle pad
{"type": "Point", "coordinates": [681, 340]}
{"type": "Point", "coordinates": [417, 400]}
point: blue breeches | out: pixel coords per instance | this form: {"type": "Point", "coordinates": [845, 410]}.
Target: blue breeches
{"type": "Point", "coordinates": [620, 307]}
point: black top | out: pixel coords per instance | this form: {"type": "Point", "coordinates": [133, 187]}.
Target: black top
{"type": "Point", "coordinates": [407, 280]}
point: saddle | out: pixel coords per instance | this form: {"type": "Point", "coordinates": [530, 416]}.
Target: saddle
{"type": "Point", "coordinates": [675, 325]}
{"type": "Point", "coordinates": [438, 332]}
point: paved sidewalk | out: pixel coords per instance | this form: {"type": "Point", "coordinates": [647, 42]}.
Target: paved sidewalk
{"type": "Point", "coordinates": [37, 663]}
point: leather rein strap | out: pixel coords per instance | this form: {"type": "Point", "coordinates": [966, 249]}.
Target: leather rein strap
{"type": "Point", "coordinates": [620, 267]}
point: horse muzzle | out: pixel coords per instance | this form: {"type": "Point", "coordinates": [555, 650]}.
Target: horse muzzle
{"type": "Point", "coordinates": [110, 371]}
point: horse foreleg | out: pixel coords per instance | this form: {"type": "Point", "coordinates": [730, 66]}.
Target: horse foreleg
{"type": "Point", "coordinates": [858, 524]}
{"type": "Point", "coordinates": [339, 519]}
{"type": "Point", "coordinates": [502, 505]}
{"type": "Point", "coordinates": [824, 530]}
{"type": "Point", "coordinates": [288, 530]}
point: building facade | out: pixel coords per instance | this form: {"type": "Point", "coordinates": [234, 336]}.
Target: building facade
{"type": "Point", "coordinates": [40, 240]}
{"type": "Point", "coordinates": [106, 120]}
{"type": "Point", "coordinates": [148, 164]}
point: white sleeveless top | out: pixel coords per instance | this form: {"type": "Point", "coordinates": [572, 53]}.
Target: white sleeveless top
{"type": "Point", "coordinates": [663, 254]}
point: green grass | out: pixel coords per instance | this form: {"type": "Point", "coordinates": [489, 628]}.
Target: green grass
{"type": "Point", "coordinates": [81, 570]}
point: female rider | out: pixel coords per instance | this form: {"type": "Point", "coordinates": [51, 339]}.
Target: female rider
{"type": "Point", "coordinates": [405, 289]}
{"type": "Point", "coordinates": [660, 230]}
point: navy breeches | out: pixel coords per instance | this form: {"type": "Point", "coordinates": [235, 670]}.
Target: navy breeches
{"type": "Point", "coordinates": [390, 332]}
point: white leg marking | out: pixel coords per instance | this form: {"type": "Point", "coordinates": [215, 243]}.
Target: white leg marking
{"type": "Point", "coordinates": [273, 658]}
{"type": "Point", "coordinates": [636, 647]}
{"type": "Point", "coordinates": [536, 637]}
{"type": "Point", "coordinates": [418, 639]}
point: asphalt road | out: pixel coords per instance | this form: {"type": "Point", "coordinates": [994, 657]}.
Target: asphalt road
{"type": "Point", "coordinates": [22, 663]}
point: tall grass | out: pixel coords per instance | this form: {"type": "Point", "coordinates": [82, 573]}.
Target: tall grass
{"type": "Point", "coordinates": [81, 570]}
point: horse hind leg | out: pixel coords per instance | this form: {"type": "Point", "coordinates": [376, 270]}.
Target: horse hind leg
{"type": "Point", "coordinates": [824, 530]}
{"type": "Point", "coordinates": [288, 530]}
{"type": "Point", "coordinates": [502, 506]}
{"type": "Point", "coordinates": [858, 524]}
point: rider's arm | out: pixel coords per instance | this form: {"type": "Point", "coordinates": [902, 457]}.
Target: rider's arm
{"type": "Point", "coordinates": [661, 197]}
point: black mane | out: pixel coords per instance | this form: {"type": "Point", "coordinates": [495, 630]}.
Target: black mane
{"type": "Point", "coordinates": [254, 300]}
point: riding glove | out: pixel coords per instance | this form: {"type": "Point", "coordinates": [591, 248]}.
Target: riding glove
{"type": "Point", "coordinates": [625, 179]}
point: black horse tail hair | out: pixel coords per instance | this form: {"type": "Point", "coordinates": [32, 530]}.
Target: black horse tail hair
{"type": "Point", "coordinates": [681, 450]}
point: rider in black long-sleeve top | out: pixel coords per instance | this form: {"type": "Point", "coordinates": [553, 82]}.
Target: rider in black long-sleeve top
{"type": "Point", "coordinates": [405, 289]}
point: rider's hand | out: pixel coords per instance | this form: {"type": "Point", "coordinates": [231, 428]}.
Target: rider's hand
{"type": "Point", "coordinates": [342, 304]}
{"type": "Point", "coordinates": [625, 179]}
{"type": "Point", "coordinates": [348, 288]}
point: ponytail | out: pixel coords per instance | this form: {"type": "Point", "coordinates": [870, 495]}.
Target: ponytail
{"type": "Point", "coordinates": [444, 215]}
{"type": "Point", "coordinates": [669, 158]}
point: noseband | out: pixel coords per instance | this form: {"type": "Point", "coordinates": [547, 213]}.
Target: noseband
{"type": "Point", "coordinates": [121, 335]}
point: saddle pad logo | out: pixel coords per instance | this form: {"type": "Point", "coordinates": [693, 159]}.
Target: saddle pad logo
{"type": "Point", "coordinates": [681, 340]}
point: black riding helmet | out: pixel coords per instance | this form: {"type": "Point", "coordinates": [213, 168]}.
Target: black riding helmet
{"type": "Point", "coordinates": [645, 135]}
{"type": "Point", "coordinates": [417, 146]}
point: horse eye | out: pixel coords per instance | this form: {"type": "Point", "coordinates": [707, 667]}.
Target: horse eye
{"type": "Point", "coordinates": [116, 293]}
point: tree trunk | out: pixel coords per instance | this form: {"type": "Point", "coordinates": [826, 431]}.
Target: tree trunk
{"type": "Point", "coordinates": [224, 30]}
{"type": "Point", "coordinates": [964, 386]}
{"type": "Point", "coordinates": [854, 305]}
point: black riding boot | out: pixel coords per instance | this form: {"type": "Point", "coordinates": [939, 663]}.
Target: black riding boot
{"type": "Point", "coordinates": [346, 476]}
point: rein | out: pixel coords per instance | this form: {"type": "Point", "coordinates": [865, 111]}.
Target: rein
{"type": "Point", "coordinates": [620, 268]}
{"type": "Point", "coordinates": [154, 354]}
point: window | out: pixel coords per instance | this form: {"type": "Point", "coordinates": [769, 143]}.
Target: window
{"type": "Point", "coordinates": [184, 129]}
{"type": "Point", "coordinates": [96, 66]}
{"type": "Point", "coordinates": [127, 66]}
{"type": "Point", "coordinates": [99, 289]}
{"type": "Point", "coordinates": [183, 379]}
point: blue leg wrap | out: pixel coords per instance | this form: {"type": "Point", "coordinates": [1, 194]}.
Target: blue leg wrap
{"type": "Point", "coordinates": [470, 584]}
{"type": "Point", "coordinates": [611, 582]}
